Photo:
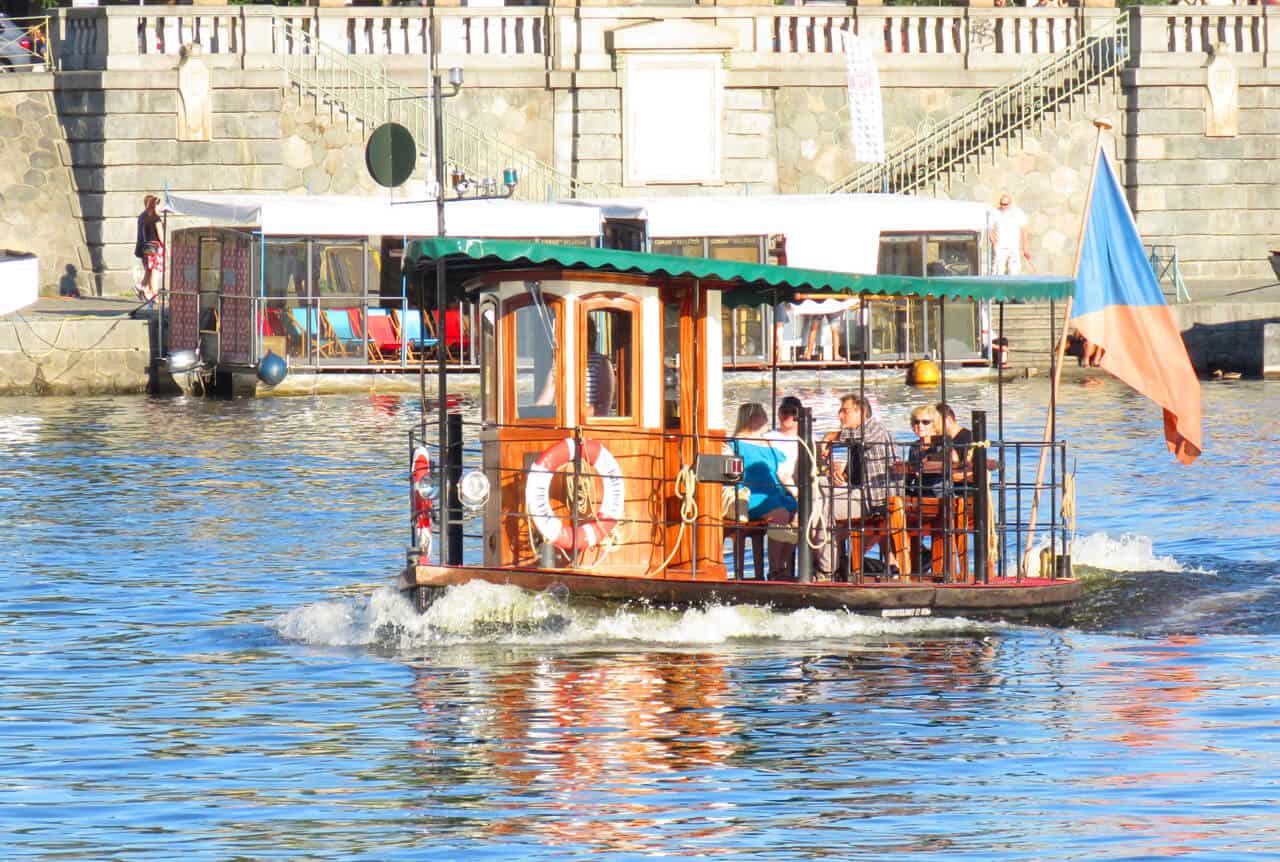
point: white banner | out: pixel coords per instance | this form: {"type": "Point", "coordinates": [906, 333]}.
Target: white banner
{"type": "Point", "coordinates": [866, 123]}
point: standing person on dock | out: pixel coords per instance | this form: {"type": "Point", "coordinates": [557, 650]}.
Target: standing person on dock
{"type": "Point", "coordinates": [1008, 237]}
{"type": "Point", "coordinates": [149, 248]}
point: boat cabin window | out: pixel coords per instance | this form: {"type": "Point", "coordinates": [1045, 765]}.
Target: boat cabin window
{"type": "Point", "coordinates": [536, 334]}
{"type": "Point", "coordinates": [488, 361]}
{"type": "Point", "coordinates": [608, 358]}
{"type": "Point", "coordinates": [671, 363]}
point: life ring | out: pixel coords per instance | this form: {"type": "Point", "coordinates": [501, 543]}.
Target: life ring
{"type": "Point", "coordinates": [537, 495]}
{"type": "Point", "coordinates": [420, 468]}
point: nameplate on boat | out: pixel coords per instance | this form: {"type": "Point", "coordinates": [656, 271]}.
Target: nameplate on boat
{"type": "Point", "coordinates": [906, 612]}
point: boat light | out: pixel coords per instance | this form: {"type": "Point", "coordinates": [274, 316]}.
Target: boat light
{"type": "Point", "coordinates": [428, 487]}
{"type": "Point", "coordinates": [473, 490]}
{"type": "Point", "coordinates": [182, 361]}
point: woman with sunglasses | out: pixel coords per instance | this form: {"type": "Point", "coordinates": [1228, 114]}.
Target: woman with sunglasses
{"type": "Point", "coordinates": [924, 460]}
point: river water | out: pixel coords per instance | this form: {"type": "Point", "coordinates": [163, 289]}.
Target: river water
{"type": "Point", "coordinates": [202, 657]}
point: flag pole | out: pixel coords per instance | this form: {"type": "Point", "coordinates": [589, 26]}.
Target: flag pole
{"type": "Point", "coordinates": [1058, 350]}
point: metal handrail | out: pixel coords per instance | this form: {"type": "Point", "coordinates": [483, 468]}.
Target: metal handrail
{"type": "Point", "coordinates": [997, 115]}
{"type": "Point", "coordinates": [366, 93]}
{"type": "Point", "coordinates": [1164, 263]}
{"type": "Point", "coordinates": [33, 38]}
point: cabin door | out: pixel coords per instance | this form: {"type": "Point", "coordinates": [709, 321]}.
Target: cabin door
{"type": "Point", "coordinates": [686, 435]}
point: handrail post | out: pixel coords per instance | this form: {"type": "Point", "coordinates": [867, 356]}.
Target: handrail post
{"type": "Point", "coordinates": [981, 499]}
{"type": "Point", "coordinates": [804, 496]}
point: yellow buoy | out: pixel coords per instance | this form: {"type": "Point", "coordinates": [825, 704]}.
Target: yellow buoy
{"type": "Point", "coordinates": [923, 372]}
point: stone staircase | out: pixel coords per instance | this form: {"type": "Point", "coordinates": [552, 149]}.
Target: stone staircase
{"type": "Point", "coordinates": [961, 143]}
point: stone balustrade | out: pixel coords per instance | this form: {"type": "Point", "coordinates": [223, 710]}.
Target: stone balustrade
{"type": "Point", "coordinates": [766, 39]}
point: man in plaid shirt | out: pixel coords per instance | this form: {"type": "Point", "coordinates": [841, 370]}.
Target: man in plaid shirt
{"type": "Point", "coordinates": [861, 453]}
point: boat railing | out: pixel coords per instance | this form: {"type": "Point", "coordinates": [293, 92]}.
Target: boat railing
{"type": "Point", "coordinates": [354, 330]}
{"type": "Point", "coordinates": [914, 527]}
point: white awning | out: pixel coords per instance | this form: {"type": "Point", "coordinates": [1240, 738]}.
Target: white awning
{"type": "Point", "coordinates": [345, 215]}
{"type": "Point", "coordinates": [831, 232]}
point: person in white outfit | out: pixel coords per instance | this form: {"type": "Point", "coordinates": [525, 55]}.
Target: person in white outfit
{"type": "Point", "coordinates": [1008, 237]}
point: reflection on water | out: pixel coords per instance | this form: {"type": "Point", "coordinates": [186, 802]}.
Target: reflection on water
{"type": "Point", "coordinates": [203, 656]}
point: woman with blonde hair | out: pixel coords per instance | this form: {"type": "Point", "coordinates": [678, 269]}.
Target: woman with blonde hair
{"type": "Point", "coordinates": [924, 460]}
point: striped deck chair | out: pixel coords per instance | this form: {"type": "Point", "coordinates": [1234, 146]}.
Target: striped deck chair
{"type": "Point", "coordinates": [308, 325]}
{"type": "Point", "coordinates": [384, 343]}
{"type": "Point", "coordinates": [339, 323]}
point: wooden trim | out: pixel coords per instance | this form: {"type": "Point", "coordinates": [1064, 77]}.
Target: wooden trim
{"type": "Point", "coordinates": [507, 350]}
{"type": "Point", "coordinates": [611, 301]}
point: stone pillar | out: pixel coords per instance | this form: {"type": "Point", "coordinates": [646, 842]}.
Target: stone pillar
{"type": "Point", "coordinates": [121, 48]}
{"type": "Point", "coordinates": [1271, 25]}
{"type": "Point", "coordinates": [257, 51]}
{"type": "Point", "coordinates": [1151, 35]}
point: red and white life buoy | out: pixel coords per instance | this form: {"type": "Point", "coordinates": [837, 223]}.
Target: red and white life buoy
{"type": "Point", "coordinates": [537, 495]}
{"type": "Point", "coordinates": [419, 470]}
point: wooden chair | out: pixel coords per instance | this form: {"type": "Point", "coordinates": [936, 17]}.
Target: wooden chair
{"type": "Point", "coordinates": [886, 528]}
{"type": "Point", "coordinates": [308, 323]}
{"type": "Point", "coordinates": [409, 328]}
{"type": "Point", "coordinates": [384, 343]}
{"type": "Point", "coordinates": [927, 517]}
{"type": "Point", "coordinates": [740, 532]}
{"type": "Point", "coordinates": [338, 323]}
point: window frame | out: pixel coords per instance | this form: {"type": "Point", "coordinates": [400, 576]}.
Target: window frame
{"type": "Point", "coordinates": [611, 301]}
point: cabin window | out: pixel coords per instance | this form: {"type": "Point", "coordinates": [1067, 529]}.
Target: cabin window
{"type": "Point", "coordinates": [608, 360]}
{"type": "Point", "coordinates": [488, 361]}
{"type": "Point", "coordinates": [671, 364]}
{"type": "Point", "coordinates": [536, 348]}
{"type": "Point", "coordinates": [686, 247]}
{"type": "Point", "coordinates": [910, 327]}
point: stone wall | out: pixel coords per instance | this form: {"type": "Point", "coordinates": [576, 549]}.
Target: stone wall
{"type": "Point", "coordinates": [83, 182]}
{"type": "Point", "coordinates": [1216, 198]}
{"type": "Point", "coordinates": [814, 150]}
{"type": "Point", "coordinates": [39, 211]}
{"type": "Point", "coordinates": [74, 357]}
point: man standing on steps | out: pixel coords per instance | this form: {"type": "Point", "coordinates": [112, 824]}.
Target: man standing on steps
{"type": "Point", "coordinates": [1008, 237]}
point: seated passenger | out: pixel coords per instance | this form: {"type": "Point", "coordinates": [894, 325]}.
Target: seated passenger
{"type": "Point", "coordinates": [859, 453]}
{"type": "Point", "coordinates": [770, 500]}
{"type": "Point", "coordinates": [960, 440]}
{"type": "Point", "coordinates": [924, 460]}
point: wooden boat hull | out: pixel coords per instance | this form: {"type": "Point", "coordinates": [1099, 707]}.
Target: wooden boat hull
{"type": "Point", "coordinates": [1029, 596]}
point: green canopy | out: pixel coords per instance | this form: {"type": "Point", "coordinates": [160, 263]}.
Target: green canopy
{"type": "Point", "coordinates": [742, 283]}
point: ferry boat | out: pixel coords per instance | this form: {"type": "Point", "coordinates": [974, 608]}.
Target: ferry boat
{"type": "Point", "coordinates": [622, 496]}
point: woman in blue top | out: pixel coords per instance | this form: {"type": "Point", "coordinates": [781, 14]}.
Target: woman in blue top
{"type": "Point", "coordinates": [770, 500]}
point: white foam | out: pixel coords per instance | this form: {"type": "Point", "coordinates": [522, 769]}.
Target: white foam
{"type": "Point", "coordinates": [1128, 553]}
{"type": "Point", "coordinates": [484, 613]}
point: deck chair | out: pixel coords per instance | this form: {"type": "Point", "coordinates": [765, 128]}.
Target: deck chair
{"type": "Point", "coordinates": [270, 323]}
{"type": "Point", "coordinates": [339, 323]}
{"type": "Point", "coordinates": [384, 343]}
{"type": "Point", "coordinates": [411, 332]}
{"type": "Point", "coordinates": [308, 326]}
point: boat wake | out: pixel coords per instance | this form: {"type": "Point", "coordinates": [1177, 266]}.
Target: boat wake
{"type": "Point", "coordinates": [1127, 553]}
{"type": "Point", "coordinates": [484, 613]}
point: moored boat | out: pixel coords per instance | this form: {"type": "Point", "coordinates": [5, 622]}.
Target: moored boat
{"type": "Point", "coordinates": [601, 464]}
